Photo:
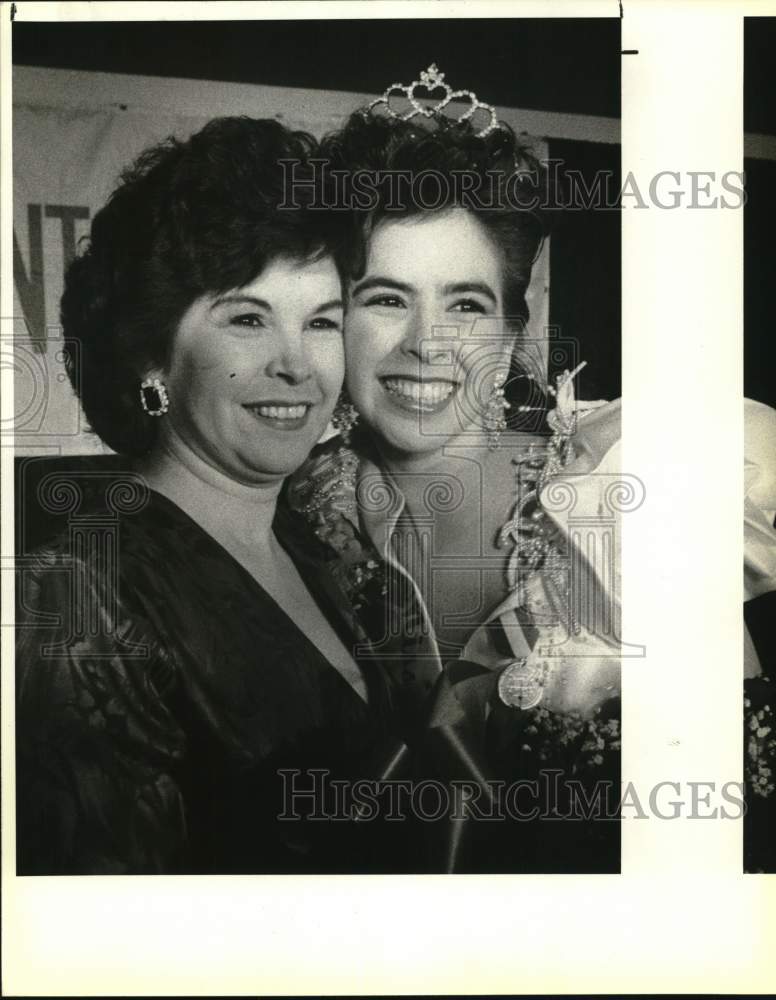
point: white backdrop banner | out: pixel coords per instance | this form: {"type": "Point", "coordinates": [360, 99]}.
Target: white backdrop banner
{"type": "Point", "coordinates": [65, 165]}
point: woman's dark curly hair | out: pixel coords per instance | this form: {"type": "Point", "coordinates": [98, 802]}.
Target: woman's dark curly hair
{"type": "Point", "coordinates": [446, 165]}
{"type": "Point", "coordinates": [187, 219]}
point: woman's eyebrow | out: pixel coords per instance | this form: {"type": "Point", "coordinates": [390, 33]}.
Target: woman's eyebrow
{"type": "Point", "coordinates": [242, 300]}
{"type": "Point", "coordinates": [461, 287]}
{"type": "Point", "coordinates": [377, 281]}
{"type": "Point", "coordinates": [326, 306]}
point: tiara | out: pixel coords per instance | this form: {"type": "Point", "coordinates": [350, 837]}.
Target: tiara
{"type": "Point", "coordinates": [430, 80]}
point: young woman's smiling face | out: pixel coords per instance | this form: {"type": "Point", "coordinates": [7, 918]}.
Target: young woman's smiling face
{"type": "Point", "coordinates": [254, 374]}
{"type": "Point", "coordinates": [424, 331]}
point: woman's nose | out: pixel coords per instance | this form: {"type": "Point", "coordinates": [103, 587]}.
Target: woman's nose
{"type": "Point", "coordinates": [290, 363]}
{"type": "Point", "coordinates": [423, 337]}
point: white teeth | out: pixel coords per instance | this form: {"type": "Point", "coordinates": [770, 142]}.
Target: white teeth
{"type": "Point", "coordinates": [429, 393]}
{"type": "Point", "coordinates": [282, 412]}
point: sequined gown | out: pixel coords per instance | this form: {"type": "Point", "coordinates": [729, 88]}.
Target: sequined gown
{"type": "Point", "coordinates": [563, 761]}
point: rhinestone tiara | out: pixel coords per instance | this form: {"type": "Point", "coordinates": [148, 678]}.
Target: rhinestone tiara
{"type": "Point", "coordinates": [430, 80]}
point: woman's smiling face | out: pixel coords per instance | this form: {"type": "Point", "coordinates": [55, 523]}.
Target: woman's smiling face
{"type": "Point", "coordinates": [254, 374]}
{"type": "Point", "coordinates": [424, 333]}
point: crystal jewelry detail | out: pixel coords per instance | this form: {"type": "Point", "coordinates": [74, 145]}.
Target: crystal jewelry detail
{"type": "Point", "coordinates": [528, 529]}
{"type": "Point", "coordinates": [344, 418]}
{"type": "Point", "coordinates": [535, 543]}
{"type": "Point", "coordinates": [521, 683]}
{"type": "Point", "coordinates": [495, 414]}
{"type": "Point", "coordinates": [153, 397]}
{"type": "Point", "coordinates": [431, 79]}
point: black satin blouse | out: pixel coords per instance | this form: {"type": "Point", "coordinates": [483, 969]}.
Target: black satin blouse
{"type": "Point", "coordinates": [171, 718]}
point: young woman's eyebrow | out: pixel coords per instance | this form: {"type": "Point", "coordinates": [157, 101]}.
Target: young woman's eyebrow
{"type": "Point", "coordinates": [462, 287]}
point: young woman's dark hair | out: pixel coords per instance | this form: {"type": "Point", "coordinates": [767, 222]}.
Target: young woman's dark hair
{"type": "Point", "coordinates": [397, 168]}
{"type": "Point", "coordinates": [187, 219]}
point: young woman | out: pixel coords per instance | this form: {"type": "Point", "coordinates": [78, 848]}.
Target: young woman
{"type": "Point", "coordinates": [487, 605]}
{"type": "Point", "coordinates": [500, 547]}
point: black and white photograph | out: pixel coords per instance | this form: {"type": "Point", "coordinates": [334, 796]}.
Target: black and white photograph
{"type": "Point", "coordinates": [384, 387]}
{"type": "Point", "coordinates": [760, 448]}
{"type": "Point", "coordinates": [331, 546]}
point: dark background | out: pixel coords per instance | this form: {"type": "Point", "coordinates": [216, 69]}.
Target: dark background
{"type": "Point", "coordinates": [760, 213]}
{"type": "Point", "coordinates": [759, 367]}
{"type": "Point", "coordinates": [547, 64]}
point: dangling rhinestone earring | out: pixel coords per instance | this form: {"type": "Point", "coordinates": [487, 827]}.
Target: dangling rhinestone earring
{"type": "Point", "coordinates": [495, 413]}
{"type": "Point", "coordinates": [153, 397]}
{"type": "Point", "coordinates": [344, 417]}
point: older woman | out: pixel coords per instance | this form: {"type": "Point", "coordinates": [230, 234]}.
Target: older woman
{"type": "Point", "coordinates": [177, 714]}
